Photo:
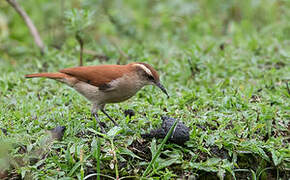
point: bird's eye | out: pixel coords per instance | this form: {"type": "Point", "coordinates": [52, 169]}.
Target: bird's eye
{"type": "Point", "coordinates": [151, 78]}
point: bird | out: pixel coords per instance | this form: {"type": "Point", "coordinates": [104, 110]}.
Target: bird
{"type": "Point", "coordinates": [106, 84]}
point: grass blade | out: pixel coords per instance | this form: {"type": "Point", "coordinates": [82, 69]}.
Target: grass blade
{"type": "Point", "coordinates": [115, 159]}
{"type": "Point", "coordinates": [98, 159]}
{"type": "Point", "coordinates": [156, 155]}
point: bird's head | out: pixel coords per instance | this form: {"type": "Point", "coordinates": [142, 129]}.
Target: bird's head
{"type": "Point", "coordinates": [148, 75]}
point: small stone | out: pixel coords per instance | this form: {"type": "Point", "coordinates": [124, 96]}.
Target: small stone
{"type": "Point", "coordinates": [4, 131]}
{"type": "Point", "coordinates": [57, 132]}
{"type": "Point", "coordinates": [129, 112]}
{"type": "Point", "coordinates": [180, 134]}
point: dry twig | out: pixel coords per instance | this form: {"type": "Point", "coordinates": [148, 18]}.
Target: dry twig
{"type": "Point", "coordinates": [29, 23]}
{"type": "Point", "coordinates": [81, 42]}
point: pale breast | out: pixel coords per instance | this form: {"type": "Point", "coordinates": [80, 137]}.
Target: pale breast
{"type": "Point", "coordinates": [122, 89]}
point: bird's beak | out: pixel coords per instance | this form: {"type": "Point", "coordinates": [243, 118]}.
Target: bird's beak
{"type": "Point", "coordinates": [158, 84]}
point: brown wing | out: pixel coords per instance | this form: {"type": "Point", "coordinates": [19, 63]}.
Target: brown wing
{"type": "Point", "coordinates": [98, 76]}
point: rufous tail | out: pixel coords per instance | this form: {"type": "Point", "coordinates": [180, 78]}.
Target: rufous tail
{"type": "Point", "coordinates": [47, 75]}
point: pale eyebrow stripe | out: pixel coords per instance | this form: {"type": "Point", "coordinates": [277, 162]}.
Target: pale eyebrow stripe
{"type": "Point", "coordinates": [144, 68]}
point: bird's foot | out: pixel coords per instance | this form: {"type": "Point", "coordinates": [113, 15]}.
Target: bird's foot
{"type": "Point", "coordinates": [102, 129]}
{"type": "Point", "coordinates": [101, 124]}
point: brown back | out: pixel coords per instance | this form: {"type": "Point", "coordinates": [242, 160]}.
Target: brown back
{"type": "Point", "coordinates": [96, 75]}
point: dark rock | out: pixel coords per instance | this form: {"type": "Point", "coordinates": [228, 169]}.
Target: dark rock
{"type": "Point", "coordinates": [4, 131]}
{"type": "Point", "coordinates": [129, 112]}
{"type": "Point", "coordinates": [222, 46]}
{"type": "Point", "coordinates": [180, 134]}
{"type": "Point", "coordinates": [57, 132]}
{"type": "Point", "coordinates": [158, 133]}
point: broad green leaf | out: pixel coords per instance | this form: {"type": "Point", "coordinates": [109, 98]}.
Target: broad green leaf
{"type": "Point", "coordinates": [128, 152]}
{"type": "Point", "coordinates": [114, 131]}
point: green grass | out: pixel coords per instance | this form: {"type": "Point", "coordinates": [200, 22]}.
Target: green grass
{"type": "Point", "coordinates": [225, 66]}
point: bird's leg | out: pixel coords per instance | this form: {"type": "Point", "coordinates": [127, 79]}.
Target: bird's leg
{"type": "Point", "coordinates": [116, 124]}
{"type": "Point", "coordinates": [99, 122]}
{"type": "Point", "coordinates": [95, 114]}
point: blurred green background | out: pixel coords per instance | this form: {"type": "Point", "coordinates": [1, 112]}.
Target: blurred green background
{"type": "Point", "coordinates": [176, 24]}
